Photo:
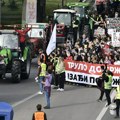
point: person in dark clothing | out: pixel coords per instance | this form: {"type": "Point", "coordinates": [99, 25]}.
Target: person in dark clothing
{"type": "Point", "coordinates": [117, 100]}
{"type": "Point", "coordinates": [75, 24]}
{"type": "Point", "coordinates": [100, 82]}
{"type": "Point", "coordinates": [39, 115]}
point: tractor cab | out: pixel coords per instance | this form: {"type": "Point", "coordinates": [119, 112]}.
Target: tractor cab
{"type": "Point", "coordinates": [82, 11]}
{"type": "Point", "coordinates": [81, 8]}
{"type": "Point", "coordinates": [9, 38]}
{"type": "Point", "coordinates": [63, 18]}
{"type": "Point", "coordinates": [37, 36]}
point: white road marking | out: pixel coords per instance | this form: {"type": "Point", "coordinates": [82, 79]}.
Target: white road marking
{"type": "Point", "coordinates": [24, 100]}
{"type": "Point", "coordinates": [103, 111]}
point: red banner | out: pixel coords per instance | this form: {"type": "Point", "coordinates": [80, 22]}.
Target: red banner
{"type": "Point", "coordinates": [87, 72]}
{"type": "Point", "coordinates": [90, 68]}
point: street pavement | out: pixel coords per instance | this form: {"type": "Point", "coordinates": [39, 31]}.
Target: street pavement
{"type": "Point", "coordinates": [75, 103]}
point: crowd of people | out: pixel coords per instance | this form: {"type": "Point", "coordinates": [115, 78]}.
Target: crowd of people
{"type": "Point", "coordinates": [91, 49]}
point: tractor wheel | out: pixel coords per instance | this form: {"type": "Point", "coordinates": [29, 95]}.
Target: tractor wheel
{"type": "Point", "coordinates": [26, 66]}
{"type": "Point", "coordinates": [16, 71]}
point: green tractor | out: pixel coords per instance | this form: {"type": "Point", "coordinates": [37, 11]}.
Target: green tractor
{"type": "Point", "coordinates": [10, 60]}
{"type": "Point", "coordinates": [82, 10]}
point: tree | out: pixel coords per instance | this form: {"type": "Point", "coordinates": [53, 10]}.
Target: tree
{"type": "Point", "coordinates": [12, 4]}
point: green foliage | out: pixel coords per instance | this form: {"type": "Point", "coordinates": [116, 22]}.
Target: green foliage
{"type": "Point", "coordinates": [55, 4]}
{"type": "Point", "coordinates": [13, 14]}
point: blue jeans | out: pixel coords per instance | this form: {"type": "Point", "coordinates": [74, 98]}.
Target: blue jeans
{"type": "Point", "coordinates": [41, 78]}
{"type": "Point", "coordinates": [47, 95]}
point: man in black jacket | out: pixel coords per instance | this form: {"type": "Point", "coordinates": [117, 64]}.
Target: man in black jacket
{"type": "Point", "coordinates": [100, 82]}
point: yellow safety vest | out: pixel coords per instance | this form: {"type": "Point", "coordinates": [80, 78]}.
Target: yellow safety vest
{"type": "Point", "coordinates": [58, 68]}
{"type": "Point", "coordinates": [108, 85]}
{"type": "Point", "coordinates": [39, 115]}
{"type": "Point", "coordinates": [43, 69]}
{"type": "Point", "coordinates": [118, 93]}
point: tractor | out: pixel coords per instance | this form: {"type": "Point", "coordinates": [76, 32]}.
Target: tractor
{"type": "Point", "coordinates": [82, 10]}
{"type": "Point", "coordinates": [37, 37]}
{"type": "Point", "coordinates": [10, 56]}
{"type": "Point", "coordinates": [63, 18]}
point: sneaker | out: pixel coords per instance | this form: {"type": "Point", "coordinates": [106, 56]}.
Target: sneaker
{"type": "Point", "coordinates": [58, 89]}
{"type": "Point", "coordinates": [40, 92]}
{"type": "Point", "coordinates": [61, 89]}
{"type": "Point", "coordinates": [36, 79]}
{"type": "Point", "coordinates": [52, 86]}
{"type": "Point", "coordinates": [46, 107]}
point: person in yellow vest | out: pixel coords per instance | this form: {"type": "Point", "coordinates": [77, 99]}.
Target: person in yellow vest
{"type": "Point", "coordinates": [108, 87]}
{"type": "Point", "coordinates": [56, 74]}
{"type": "Point", "coordinates": [60, 69]}
{"type": "Point", "coordinates": [117, 100]}
{"type": "Point", "coordinates": [39, 115]}
{"type": "Point", "coordinates": [41, 74]}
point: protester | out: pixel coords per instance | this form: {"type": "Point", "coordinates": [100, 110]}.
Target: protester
{"type": "Point", "coordinates": [61, 71]}
{"type": "Point", "coordinates": [97, 50]}
{"type": "Point", "coordinates": [22, 37]}
{"type": "Point", "coordinates": [75, 24]}
{"type": "Point", "coordinates": [47, 88]}
{"type": "Point", "coordinates": [39, 115]}
{"type": "Point", "coordinates": [41, 75]}
{"type": "Point", "coordinates": [108, 87]}
{"type": "Point", "coordinates": [100, 82]}
{"type": "Point", "coordinates": [117, 100]}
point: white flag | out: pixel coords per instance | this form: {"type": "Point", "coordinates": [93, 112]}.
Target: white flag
{"type": "Point", "coordinates": [52, 43]}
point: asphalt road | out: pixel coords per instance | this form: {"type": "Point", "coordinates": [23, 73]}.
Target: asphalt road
{"type": "Point", "coordinates": [75, 103]}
